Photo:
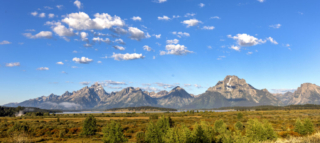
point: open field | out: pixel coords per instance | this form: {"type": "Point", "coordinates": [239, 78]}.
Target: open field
{"type": "Point", "coordinates": [48, 128]}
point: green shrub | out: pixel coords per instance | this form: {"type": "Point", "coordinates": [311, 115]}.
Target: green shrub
{"type": "Point", "coordinates": [113, 133]}
{"type": "Point", "coordinates": [239, 116]}
{"type": "Point", "coordinates": [89, 126]}
{"type": "Point", "coordinates": [140, 137]}
{"type": "Point", "coordinates": [257, 131]}
{"type": "Point", "coordinates": [308, 126]}
{"type": "Point", "coordinates": [238, 126]}
{"type": "Point", "coordinates": [299, 127]}
{"type": "Point", "coordinates": [153, 117]}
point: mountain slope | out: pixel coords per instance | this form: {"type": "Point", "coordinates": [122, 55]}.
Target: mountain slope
{"type": "Point", "coordinates": [307, 93]}
{"type": "Point", "coordinates": [176, 98]}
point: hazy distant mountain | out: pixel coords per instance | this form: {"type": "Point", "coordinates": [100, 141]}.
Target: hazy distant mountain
{"type": "Point", "coordinates": [158, 94]}
{"type": "Point", "coordinates": [233, 91]}
{"type": "Point", "coordinates": [176, 98]}
{"type": "Point", "coordinates": [307, 93]}
{"type": "Point", "coordinates": [284, 98]}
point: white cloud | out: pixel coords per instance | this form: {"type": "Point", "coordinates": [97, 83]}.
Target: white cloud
{"type": "Point", "coordinates": [119, 48]}
{"type": "Point", "coordinates": [162, 53]}
{"type": "Point", "coordinates": [4, 42]}
{"type": "Point", "coordinates": [272, 40]}
{"type": "Point", "coordinates": [108, 82]}
{"type": "Point", "coordinates": [51, 15]}
{"type": "Point", "coordinates": [34, 13]}
{"type": "Point", "coordinates": [201, 5]}
{"type": "Point", "coordinates": [174, 41]}
{"type": "Point", "coordinates": [85, 83]}
{"type": "Point", "coordinates": [42, 34]}
{"type": "Point", "coordinates": [187, 85]}
{"type": "Point", "coordinates": [147, 48]}
{"type": "Point", "coordinates": [197, 86]}
{"type": "Point", "coordinates": [287, 45]}
{"type": "Point", "coordinates": [60, 63]}
{"type": "Point", "coordinates": [119, 30]}
{"type": "Point", "coordinates": [136, 34]}
{"type": "Point", "coordinates": [160, 1]}
{"type": "Point", "coordinates": [77, 4]}
{"type": "Point", "coordinates": [148, 35]}
{"type": "Point", "coordinates": [237, 48]}
{"type": "Point", "coordinates": [47, 7]}
{"type": "Point", "coordinates": [282, 91]}
{"type": "Point", "coordinates": [189, 14]}
{"type": "Point", "coordinates": [249, 53]}
{"type": "Point", "coordinates": [136, 18]}
{"type": "Point", "coordinates": [84, 36]}
{"type": "Point", "coordinates": [163, 18]}
{"type": "Point", "coordinates": [59, 6]}
{"type": "Point", "coordinates": [127, 56]}
{"type": "Point", "coordinates": [42, 15]}
{"type": "Point", "coordinates": [208, 27]}
{"type": "Point", "coordinates": [276, 26]}
{"type": "Point", "coordinates": [31, 30]}
{"type": "Point", "coordinates": [181, 34]}
{"type": "Point", "coordinates": [165, 86]}
{"type": "Point", "coordinates": [87, 45]}
{"type": "Point", "coordinates": [176, 50]}
{"type": "Point", "coordinates": [82, 60]}
{"type": "Point", "coordinates": [120, 41]}
{"type": "Point", "coordinates": [82, 21]}
{"type": "Point", "coordinates": [175, 16]}
{"type": "Point", "coordinates": [13, 64]}
{"type": "Point", "coordinates": [215, 17]}
{"type": "Point", "coordinates": [74, 51]}
{"type": "Point", "coordinates": [98, 39]}
{"type": "Point", "coordinates": [60, 29]}
{"type": "Point", "coordinates": [150, 89]}
{"type": "Point", "coordinates": [209, 47]}
{"type": "Point", "coordinates": [247, 40]}
{"type": "Point", "coordinates": [154, 57]}
{"type": "Point", "coordinates": [43, 68]}
{"type": "Point", "coordinates": [261, 1]}
{"type": "Point", "coordinates": [157, 36]}
{"type": "Point", "coordinates": [191, 22]}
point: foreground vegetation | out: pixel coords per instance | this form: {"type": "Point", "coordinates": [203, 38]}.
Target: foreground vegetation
{"type": "Point", "coordinates": [245, 126]}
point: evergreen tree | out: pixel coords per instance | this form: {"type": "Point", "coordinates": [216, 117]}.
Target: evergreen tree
{"type": "Point", "coordinates": [238, 126]}
{"type": "Point", "coordinates": [89, 126]}
{"type": "Point", "coordinates": [199, 135]}
{"type": "Point", "coordinates": [308, 126]}
{"type": "Point", "coordinates": [112, 133]}
{"type": "Point", "coordinates": [218, 126]}
{"type": "Point", "coordinates": [153, 134]}
{"type": "Point", "coordinates": [299, 127]}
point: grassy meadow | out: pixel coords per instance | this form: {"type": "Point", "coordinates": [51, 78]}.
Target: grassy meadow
{"type": "Point", "coordinates": [69, 127]}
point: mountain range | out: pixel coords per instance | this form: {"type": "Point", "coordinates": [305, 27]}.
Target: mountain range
{"type": "Point", "coordinates": [232, 91]}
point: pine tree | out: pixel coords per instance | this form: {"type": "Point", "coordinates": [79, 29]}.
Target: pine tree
{"type": "Point", "coordinates": [112, 133]}
{"type": "Point", "coordinates": [89, 126]}
{"type": "Point", "coordinates": [308, 126]}
{"type": "Point", "coordinates": [299, 127]}
{"type": "Point", "coordinates": [199, 135]}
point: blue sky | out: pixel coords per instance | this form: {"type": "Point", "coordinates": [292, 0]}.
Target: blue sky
{"type": "Point", "coordinates": [51, 46]}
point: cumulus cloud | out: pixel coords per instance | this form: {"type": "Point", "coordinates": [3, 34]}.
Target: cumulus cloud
{"type": "Point", "coordinates": [13, 64]}
{"type": "Point", "coordinates": [60, 29]}
{"type": "Point", "coordinates": [82, 21]}
{"type": "Point", "coordinates": [276, 26]}
{"type": "Point", "coordinates": [98, 39]}
{"type": "Point", "coordinates": [174, 41]}
{"type": "Point", "coordinates": [60, 63]}
{"type": "Point", "coordinates": [261, 1]}
{"type": "Point", "coordinates": [163, 18]}
{"type": "Point", "coordinates": [147, 48]}
{"type": "Point", "coordinates": [237, 48]}
{"type": "Point", "coordinates": [181, 34]}
{"type": "Point", "coordinates": [42, 15]}
{"type": "Point", "coordinates": [160, 1]}
{"type": "Point", "coordinates": [85, 83]}
{"type": "Point", "coordinates": [127, 56]}
{"type": "Point", "coordinates": [136, 18]}
{"type": "Point", "coordinates": [136, 34]}
{"type": "Point", "coordinates": [201, 5]}
{"type": "Point", "coordinates": [189, 14]}
{"type": "Point", "coordinates": [42, 34]}
{"type": "Point", "coordinates": [247, 40]}
{"type": "Point", "coordinates": [215, 17]}
{"type": "Point", "coordinates": [51, 15]}
{"type": "Point", "coordinates": [176, 50]}
{"type": "Point", "coordinates": [272, 40]}
{"type": "Point", "coordinates": [4, 42]}
{"type": "Point", "coordinates": [119, 30]}
{"type": "Point", "coordinates": [82, 60]}
{"type": "Point", "coordinates": [43, 68]}
{"type": "Point", "coordinates": [119, 47]}
{"type": "Point", "coordinates": [157, 36]}
{"type": "Point", "coordinates": [208, 27]}
{"type": "Point", "coordinates": [191, 22]}
{"type": "Point", "coordinates": [84, 36]}
{"type": "Point", "coordinates": [77, 4]}
{"type": "Point", "coordinates": [34, 13]}
{"type": "Point", "coordinates": [120, 41]}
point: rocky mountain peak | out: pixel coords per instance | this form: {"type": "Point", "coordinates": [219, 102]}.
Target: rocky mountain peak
{"type": "Point", "coordinates": [177, 88]}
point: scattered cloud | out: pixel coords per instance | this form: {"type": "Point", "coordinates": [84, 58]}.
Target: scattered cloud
{"type": "Point", "coordinates": [249, 53]}
{"type": "Point", "coordinates": [247, 40]}
{"type": "Point", "coordinates": [85, 83]}
{"type": "Point", "coordinates": [119, 47]}
{"type": "Point", "coordinates": [16, 64]}
{"type": "Point", "coordinates": [215, 17]}
{"type": "Point", "coordinates": [160, 1]}
{"type": "Point", "coordinates": [82, 60]}
{"type": "Point", "coordinates": [208, 27]}
{"type": "Point", "coordinates": [165, 86]}
{"type": "Point", "coordinates": [34, 13]}
{"type": "Point", "coordinates": [150, 89]}
{"type": "Point", "coordinates": [272, 40]}
{"type": "Point", "coordinates": [5, 42]}
{"type": "Point", "coordinates": [197, 86]}
{"type": "Point", "coordinates": [276, 26]}
{"type": "Point", "coordinates": [209, 47]}
{"type": "Point", "coordinates": [43, 68]}
{"type": "Point", "coordinates": [181, 34]}
{"type": "Point", "coordinates": [176, 50]}
{"type": "Point", "coordinates": [187, 85]}
{"type": "Point", "coordinates": [31, 30]}
{"type": "Point", "coordinates": [120, 41]}
{"type": "Point", "coordinates": [98, 39]}
{"type": "Point", "coordinates": [64, 72]}
{"type": "Point", "coordinates": [136, 34]}
{"type": "Point", "coordinates": [174, 41]}
{"type": "Point", "coordinates": [99, 62]}
{"type": "Point", "coordinates": [119, 30]}
{"type": "Point", "coordinates": [42, 15]}
{"type": "Point", "coordinates": [84, 36]}
{"type": "Point", "coordinates": [60, 63]}
{"type": "Point", "coordinates": [189, 14]}
{"type": "Point", "coordinates": [51, 15]}
{"type": "Point", "coordinates": [237, 48]}
{"type": "Point", "coordinates": [163, 18]}
{"type": "Point", "coordinates": [191, 22]}
{"type": "Point", "coordinates": [287, 45]}
{"type": "Point", "coordinates": [282, 91]}
{"type": "Point", "coordinates": [261, 1]}
{"type": "Point", "coordinates": [127, 56]}
{"type": "Point", "coordinates": [47, 7]}
{"type": "Point", "coordinates": [147, 48]}
{"type": "Point", "coordinates": [157, 36]}
{"type": "Point", "coordinates": [42, 34]}
{"type": "Point", "coordinates": [78, 4]}
{"type": "Point", "coordinates": [201, 5]}
{"type": "Point", "coordinates": [136, 18]}
{"type": "Point", "coordinates": [154, 57]}
{"type": "Point", "coordinates": [59, 6]}
{"type": "Point", "coordinates": [60, 29]}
